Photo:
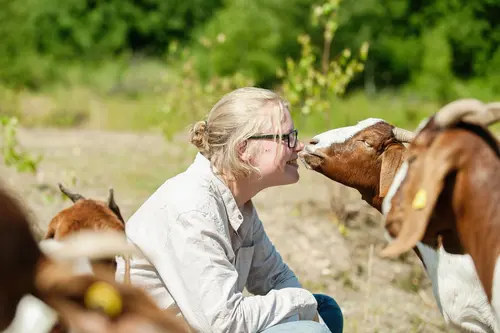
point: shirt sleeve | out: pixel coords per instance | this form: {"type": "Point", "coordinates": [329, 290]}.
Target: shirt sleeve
{"type": "Point", "coordinates": [268, 271]}
{"type": "Point", "coordinates": [195, 268]}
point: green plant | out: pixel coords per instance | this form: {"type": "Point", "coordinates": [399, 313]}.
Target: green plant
{"type": "Point", "coordinates": [13, 154]}
{"type": "Point", "coordinates": [192, 98]}
{"type": "Point", "coordinates": [310, 86]}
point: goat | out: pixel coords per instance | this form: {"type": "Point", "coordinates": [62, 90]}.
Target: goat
{"type": "Point", "coordinates": [449, 193]}
{"type": "Point", "coordinates": [370, 157]}
{"type": "Point", "coordinates": [36, 289]}
{"type": "Point", "coordinates": [365, 156]}
{"type": "Point", "coordinates": [88, 214]}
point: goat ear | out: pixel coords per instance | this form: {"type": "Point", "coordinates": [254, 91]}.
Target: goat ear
{"type": "Point", "coordinates": [113, 206]}
{"type": "Point", "coordinates": [392, 158]}
{"type": "Point", "coordinates": [425, 184]}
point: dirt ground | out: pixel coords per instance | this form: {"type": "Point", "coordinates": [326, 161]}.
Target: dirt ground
{"type": "Point", "coordinates": [323, 230]}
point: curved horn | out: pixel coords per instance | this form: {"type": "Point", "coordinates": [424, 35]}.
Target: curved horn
{"type": "Point", "coordinates": [487, 118]}
{"type": "Point", "coordinates": [403, 135]}
{"type": "Point", "coordinates": [73, 196]}
{"type": "Point", "coordinates": [113, 206]}
{"type": "Point", "coordinates": [111, 197]}
{"type": "Point", "coordinates": [453, 112]}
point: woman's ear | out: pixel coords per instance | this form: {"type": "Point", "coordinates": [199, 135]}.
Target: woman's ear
{"type": "Point", "coordinates": [243, 151]}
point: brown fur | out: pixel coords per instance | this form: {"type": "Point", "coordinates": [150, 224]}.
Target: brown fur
{"type": "Point", "coordinates": [370, 170]}
{"type": "Point", "coordinates": [458, 169]}
{"type": "Point", "coordinates": [19, 254]}
{"type": "Point", "coordinates": [88, 214]}
{"type": "Point", "coordinates": [25, 269]}
{"type": "Point", "coordinates": [84, 214]}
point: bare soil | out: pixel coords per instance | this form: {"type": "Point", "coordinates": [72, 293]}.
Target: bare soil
{"type": "Point", "coordinates": [323, 230]}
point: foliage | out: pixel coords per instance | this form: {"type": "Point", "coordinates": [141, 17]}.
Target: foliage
{"type": "Point", "coordinates": [309, 85]}
{"type": "Point", "coordinates": [194, 97]}
{"type": "Point", "coordinates": [251, 37]}
{"type": "Point", "coordinates": [13, 154]}
{"type": "Point", "coordinates": [39, 39]}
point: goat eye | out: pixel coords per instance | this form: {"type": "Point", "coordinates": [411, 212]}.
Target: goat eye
{"type": "Point", "coordinates": [367, 144]}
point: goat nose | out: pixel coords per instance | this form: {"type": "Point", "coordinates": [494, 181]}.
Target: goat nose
{"type": "Point", "coordinates": [313, 141]}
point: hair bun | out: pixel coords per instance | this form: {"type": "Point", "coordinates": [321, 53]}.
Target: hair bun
{"type": "Point", "coordinates": [199, 136]}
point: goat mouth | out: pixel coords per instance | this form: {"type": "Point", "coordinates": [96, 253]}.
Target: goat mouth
{"type": "Point", "coordinates": [311, 160]}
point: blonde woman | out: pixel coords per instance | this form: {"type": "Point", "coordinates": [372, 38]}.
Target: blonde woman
{"type": "Point", "coordinates": [204, 239]}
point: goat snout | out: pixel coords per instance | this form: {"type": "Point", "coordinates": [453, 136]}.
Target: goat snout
{"type": "Point", "coordinates": [314, 141]}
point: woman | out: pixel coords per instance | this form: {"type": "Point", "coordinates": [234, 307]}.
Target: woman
{"type": "Point", "coordinates": [204, 239]}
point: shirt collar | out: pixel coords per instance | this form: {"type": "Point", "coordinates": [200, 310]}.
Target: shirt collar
{"type": "Point", "coordinates": [202, 164]}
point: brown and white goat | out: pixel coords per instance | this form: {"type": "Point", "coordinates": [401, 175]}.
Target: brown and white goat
{"type": "Point", "coordinates": [449, 194]}
{"type": "Point", "coordinates": [88, 214]}
{"type": "Point", "coordinates": [369, 157]}
{"type": "Point", "coordinates": [364, 156]}
{"type": "Point", "coordinates": [35, 289]}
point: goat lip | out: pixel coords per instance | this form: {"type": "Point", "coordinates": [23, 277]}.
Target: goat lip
{"type": "Point", "coordinates": [308, 151]}
{"type": "Point", "coordinates": [311, 160]}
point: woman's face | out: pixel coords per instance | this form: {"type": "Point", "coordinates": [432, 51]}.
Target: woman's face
{"type": "Point", "coordinates": [279, 167]}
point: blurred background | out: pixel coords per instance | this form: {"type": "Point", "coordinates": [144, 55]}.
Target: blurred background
{"type": "Point", "coordinates": [158, 65]}
{"type": "Point", "coordinates": [100, 93]}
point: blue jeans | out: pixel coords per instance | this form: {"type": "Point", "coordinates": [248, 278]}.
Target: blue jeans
{"type": "Point", "coordinates": [328, 309]}
{"type": "Point", "coordinates": [331, 313]}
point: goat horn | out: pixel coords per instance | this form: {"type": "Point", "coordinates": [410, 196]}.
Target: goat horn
{"type": "Point", "coordinates": [111, 197]}
{"type": "Point", "coordinates": [403, 135]}
{"type": "Point", "coordinates": [489, 117]}
{"type": "Point", "coordinates": [453, 112]}
{"type": "Point", "coordinates": [73, 196]}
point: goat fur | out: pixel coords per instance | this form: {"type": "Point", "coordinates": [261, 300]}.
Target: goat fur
{"type": "Point", "coordinates": [27, 270]}
{"type": "Point", "coordinates": [456, 168]}
{"type": "Point", "coordinates": [88, 214]}
{"type": "Point", "coordinates": [354, 156]}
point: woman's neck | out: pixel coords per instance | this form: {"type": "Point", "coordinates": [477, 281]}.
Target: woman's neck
{"type": "Point", "coordinates": [243, 190]}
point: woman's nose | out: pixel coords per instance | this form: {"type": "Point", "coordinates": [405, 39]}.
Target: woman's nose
{"type": "Point", "coordinates": [299, 146]}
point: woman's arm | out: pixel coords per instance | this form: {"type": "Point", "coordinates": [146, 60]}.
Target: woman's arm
{"type": "Point", "coordinates": [268, 270]}
{"type": "Point", "coordinates": [193, 263]}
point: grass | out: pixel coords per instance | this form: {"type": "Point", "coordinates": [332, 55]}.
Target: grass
{"type": "Point", "coordinates": [149, 96]}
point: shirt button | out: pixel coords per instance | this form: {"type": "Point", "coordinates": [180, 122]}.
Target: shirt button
{"type": "Point", "coordinates": [240, 217]}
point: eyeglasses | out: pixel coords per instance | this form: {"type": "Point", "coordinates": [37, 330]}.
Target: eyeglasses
{"type": "Point", "coordinates": [291, 137]}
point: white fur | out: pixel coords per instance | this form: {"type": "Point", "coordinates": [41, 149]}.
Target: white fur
{"type": "Point", "coordinates": [81, 265]}
{"type": "Point", "coordinates": [455, 284]}
{"type": "Point", "coordinates": [396, 182]}
{"type": "Point", "coordinates": [32, 315]}
{"type": "Point", "coordinates": [495, 291]}
{"type": "Point", "coordinates": [340, 135]}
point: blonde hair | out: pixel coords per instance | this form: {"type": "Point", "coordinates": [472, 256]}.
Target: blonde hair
{"type": "Point", "coordinates": [236, 117]}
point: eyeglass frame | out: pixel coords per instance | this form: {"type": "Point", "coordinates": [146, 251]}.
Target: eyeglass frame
{"type": "Point", "coordinates": [282, 137]}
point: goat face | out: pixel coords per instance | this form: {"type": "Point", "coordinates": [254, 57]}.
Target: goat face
{"type": "Point", "coordinates": [365, 156]}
